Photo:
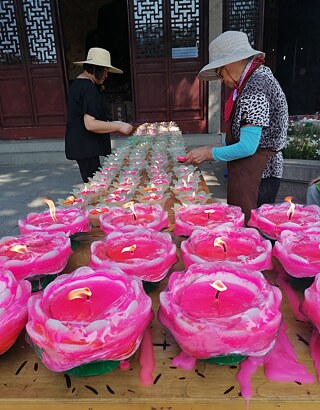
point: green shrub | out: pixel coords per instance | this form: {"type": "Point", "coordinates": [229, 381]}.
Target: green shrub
{"type": "Point", "coordinates": [303, 141]}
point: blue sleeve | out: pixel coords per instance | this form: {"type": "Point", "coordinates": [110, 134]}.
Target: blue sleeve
{"type": "Point", "coordinates": [248, 144]}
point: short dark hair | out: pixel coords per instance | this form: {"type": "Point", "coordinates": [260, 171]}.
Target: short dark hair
{"type": "Point", "coordinates": [96, 70]}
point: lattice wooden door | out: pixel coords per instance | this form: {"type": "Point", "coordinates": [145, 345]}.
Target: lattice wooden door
{"type": "Point", "coordinates": [32, 95]}
{"type": "Point", "coordinates": [168, 49]}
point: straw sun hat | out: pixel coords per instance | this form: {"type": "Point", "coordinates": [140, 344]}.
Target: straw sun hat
{"type": "Point", "coordinates": [227, 48]}
{"type": "Point", "coordinates": [101, 57]}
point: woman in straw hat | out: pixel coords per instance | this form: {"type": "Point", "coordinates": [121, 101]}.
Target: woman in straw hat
{"type": "Point", "coordinates": [87, 134]}
{"type": "Point", "coordinates": [256, 114]}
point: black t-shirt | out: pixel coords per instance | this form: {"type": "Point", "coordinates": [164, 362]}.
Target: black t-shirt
{"type": "Point", "coordinates": [84, 98]}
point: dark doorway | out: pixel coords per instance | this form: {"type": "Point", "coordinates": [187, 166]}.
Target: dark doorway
{"type": "Point", "coordinates": [112, 33]}
{"type": "Point", "coordinates": [102, 23]}
{"type": "Point", "coordinates": [291, 38]}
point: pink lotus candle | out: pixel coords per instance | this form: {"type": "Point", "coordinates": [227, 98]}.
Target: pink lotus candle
{"type": "Point", "coordinates": [72, 201]}
{"type": "Point", "coordinates": [35, 254]}
{"type": "Point", "coordinates": [196, 198]}
{"type": "Point", "coordinates": [299, 252]}
{"type": "Point", "coordinates": [153, 199]}
{"type": "Point", "coordinates": [68, 220]}
{"type": "Point", "coordinates": [192, 217]}
{"type": "Point", "coordinates": [311, 303]}
{"type": "Point", "coordinates": [87, 316]}
{"type": "Point", "coordinates": [218, 308]}
{"type": "Point", "coordinates": [147, 216]}
{"type": "Point", "coordinates": [271, 220]}
{"type": "Point", "coordinates": [95, 212]}
{"type": "Point", "coordinates": [241, 246]}
{"type": "Point", "coordinates": [136, 251]}
{"type": "Point", "coordinates": [114, 199]}
{"type": "Point", "coordinates": [14, 296]}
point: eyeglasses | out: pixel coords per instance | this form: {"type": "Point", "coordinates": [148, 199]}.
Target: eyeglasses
{"type": "Point", "coordinates": [218, 72]}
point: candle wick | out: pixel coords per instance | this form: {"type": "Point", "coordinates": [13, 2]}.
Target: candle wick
{"type": "Point", "coordinates": [88, 297]}
{"type": "Point", "coordinates": [135, 218]}
{"type": "Point", "coordinates": [290, 216]}
{"type": "Point", "coordinates": [208, 215]}
{"type": "Point", "coordinates": [224, 248]}
{"type": "Point", "coordinates": [217, 294]}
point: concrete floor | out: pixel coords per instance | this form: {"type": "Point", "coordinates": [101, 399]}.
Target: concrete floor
{"type": "Point", "coordinates": [23, 187]}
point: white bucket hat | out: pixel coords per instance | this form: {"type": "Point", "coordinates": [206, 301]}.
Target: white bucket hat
{"type": "Point", "coordinates": [227, 48]}
{"type": "Point", "coordinates": [101, 57]}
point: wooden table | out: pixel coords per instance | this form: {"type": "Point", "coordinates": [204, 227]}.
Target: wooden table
{"type": "Point", "coordinates": [26, 384]}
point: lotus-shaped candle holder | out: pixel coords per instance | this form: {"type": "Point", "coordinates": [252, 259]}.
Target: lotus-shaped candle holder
{"type": "Point", "coordinates": [35, 254]}
{"type": "Point", "coordinates": [241, 246]}
{"type": "Point", "coordinates": [208, 216]}
{"type": "Point", "coordinates": [14, 296]}
{"type": "Point", "coordinates": [218, 308]}
{"type": "Point", "coordinates": [272, 219]}
{"type": "Point", "coordinates": [68, 220]}
{"type": "Point", "coordinates": [299, 252]}
{"type": "Point", "coordinates": [136, 251]}
{"type": "Point", "coordinates": [147, 216]}
{"type": "Point", "coordinates": [88, 316]}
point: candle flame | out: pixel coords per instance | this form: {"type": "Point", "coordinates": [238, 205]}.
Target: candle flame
{"type": "Point", "coordinates": [52, 208]}
{"type": "Point", "coordinates": [152, 187]}
{"type": "Point", "coordinates": [80, 293]}
{"type": "Point", "coordinates": [131, 248]}
{"type": "Point", "coordinates": [19, 248]}
{"type": "Point", "coordinates": [189, 177]}
{"type": "Point", "coordinates": [208, 212]}
{"type": "Point", "coordinates": [69, 200]}
{"type": "Point", "coordinates": [290, 211]}
{"type": "Point", "coordinates": [219, 285]}
{"type": "Point", "coordinates": [130, 205]}
{"type": "Point", "coordinates": [184, 182]}
{"type": "Point", "coordinates": [85, 189]}
{"type": "Point", "coordinates": [219, 242]}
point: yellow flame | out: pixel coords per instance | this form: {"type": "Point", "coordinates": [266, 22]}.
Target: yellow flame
{"type": "Point", "coordinates": [219, 285]}
{"type": "Point", "coordinates": [219, 242]}
{"type": "Point", "coordinates": [130, 205]}
{"type": "Point", "coordinates": [131, 248]}
{"type": "Point", "coordinates": [19, 248]}
{"type": "Point", "coordinates": [69, 200]}
{"type": "Point", "coordinates": [80, 293]}
{"type": "Point", "coordinates": [189, 177]}
{"type": "Point", "coordinates": [208, 212]}
{"type": "Point", "coordinates": [290, 211]}
{"type": "Point", "coordinates": [52, 208]}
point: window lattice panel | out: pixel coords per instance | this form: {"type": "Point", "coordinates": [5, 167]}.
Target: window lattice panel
{"type": "Point", "coordinates": [244, 16]}
{"type": "Point", "coordinates": [9, 40]}
{"type": "Point", "coordinates": [39, 30]}
{"type": "Point", "coordinates": [148, 22]}
{"type": "Point", "coordinates": [185, 23]}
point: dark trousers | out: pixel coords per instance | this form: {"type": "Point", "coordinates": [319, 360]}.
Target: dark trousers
{"type": "Point", "coordinates": [268, 190]}
{"type": "Point", "coordinates": [88, 166]}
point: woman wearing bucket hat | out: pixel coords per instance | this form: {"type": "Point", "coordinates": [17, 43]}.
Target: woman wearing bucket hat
{"type": "Point", "coordinates": [256, 114]}
{"type": "Point", "coordinates": [87, 133]}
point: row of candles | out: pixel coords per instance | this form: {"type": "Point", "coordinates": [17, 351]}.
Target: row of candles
{"type": "Point", "coordinates": [209, 295]}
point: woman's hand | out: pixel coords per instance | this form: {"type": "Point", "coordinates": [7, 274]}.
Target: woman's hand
{"type": "Point", "coordinates": [198, 155]}
{"type": "Point", "coordinates": [124, 127]}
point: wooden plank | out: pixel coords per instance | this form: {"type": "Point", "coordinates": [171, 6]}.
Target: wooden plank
{"type": "Point", "coordinates": [26, 384]}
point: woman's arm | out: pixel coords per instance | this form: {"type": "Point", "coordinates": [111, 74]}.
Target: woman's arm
{"type": "Point", "coordinates": [103, 127]}
{"type": "Point", "coordinates": [248, 144]}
